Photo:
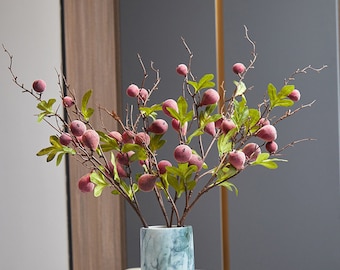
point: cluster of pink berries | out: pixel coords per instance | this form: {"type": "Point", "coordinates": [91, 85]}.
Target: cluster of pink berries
{"type": "Point", "coordinates": [81, 135]}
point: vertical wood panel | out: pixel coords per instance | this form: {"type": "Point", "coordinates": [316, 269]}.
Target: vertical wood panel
{"type": "Point", "coordinates": [91, 52]}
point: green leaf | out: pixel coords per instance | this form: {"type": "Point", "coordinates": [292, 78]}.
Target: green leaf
{"type": "Point", "coordinates": [196, 133]}
{"type": "Point", "coordinates": [285, 91]}
{"type": "Point", "coordinates": [271, 89]}
{"type": "Point", "coordinates": [51, 156]}
{"type": "Point", "coordinates": [46, 106]}
{"type": "Point", "coordinates": [99, 180]}
{"type": "Point", "coordinates": [54, 149]}
{"type": "Point", "coordinates": [87, 112]}
{"type": "Point", "coordinates": [284, 103]}
{"type": "Point", "coordinates": [59, 158]}
{"type": "Point", "coordinates": [241, 112]}
{"type": "Point", "coordinates": [107, 143]}
{"type": "Point", "coordinates": [225, 173]}
{"type": "Point", "coordinates": [45, 151]}
{"type": "Point", "coordinates": [139, 152]}
{"type": "Point", "coordinates": [231, 187]}
{"type": "Point", "coordinates": [206, 82]}
{"type": "Point", "coordinates": [240, 88]}
{"type": "Point", "coordinates": [194, 85]}
{"type": "Point", "coordinates": [254, 117]}
{"type": "Point", "coordinates": [182, 105]}
{"type": "Point", "coordinates": [151, 111]}
{"type": "Point", "coordinates": [85, 99]}
{"type": "Point", "coordinates": [156, 142]}
{"type": "Point", "coordinates": [173, 113]}
{"type": "Point", "coordinates": [263, 160]}
{"type": "Point", "coordinates": [224, 145]}
{"type": "Point", "coordinates": [280, 99]}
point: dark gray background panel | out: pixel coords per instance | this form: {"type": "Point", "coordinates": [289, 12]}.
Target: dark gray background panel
{"type": "Point", "coordinates": [289, 218]}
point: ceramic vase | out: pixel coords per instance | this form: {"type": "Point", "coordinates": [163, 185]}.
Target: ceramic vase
{"type": "Point", "coordinates": [165, 248]}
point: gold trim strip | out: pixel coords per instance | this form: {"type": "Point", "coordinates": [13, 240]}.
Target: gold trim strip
{"type": "Point", "coordinates": [220, 79]}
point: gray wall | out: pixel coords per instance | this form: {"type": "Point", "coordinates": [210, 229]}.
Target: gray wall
{"type": "Point", "coordinates": [33, 224]}
{"type": "Point", "coordinates": [289, 218]}
{"type": "Point", "coordinates": [282, 219]}
{"type": "Point", "coordinates": [154, 29]}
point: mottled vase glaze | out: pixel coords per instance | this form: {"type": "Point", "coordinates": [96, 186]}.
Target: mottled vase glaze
{"type": "Point", "coordinates": [167, 248]}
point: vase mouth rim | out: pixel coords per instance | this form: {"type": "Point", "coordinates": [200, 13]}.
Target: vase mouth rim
{"type": "Point", "coordinates": [164, 227]}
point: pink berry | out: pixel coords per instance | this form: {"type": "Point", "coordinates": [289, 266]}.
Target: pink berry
{"type": "Point", "coordinates": [182, 69]}
{"type": "Point", "coordinates": [146, 182]}
{"type": "Point", "coordinates": [77, 128]}
{"type": "Point", "coordinates": [116, 135]}
{"type": "Point", "coordinates": [145, 162]}
{"type": "Point", "coordinates": [227, 125]}
{"type": "Point", "coordinates": [143, 94]}
{"type": "Point", "coordinates": [294, 95]}
{"type": "Point", "coordinates": [68, 101]}
{"type": "Point", "coordinates": [90, 139]}
{"type": "Point", "coordinates": [162, 166]}
{"type": "Point", "coordinates": [271, 147]}
{"type": "Point", "coordinates": [237, 159]}
{"type": "Point", "coordinates": [128, 136]}
{"type": "Point", "coordinates": [39, 86]}
{"type": "Point", "coordinates": [267, 133]}
{"type": "Point", "coordinates": [159, 126]}
{"type": "Point", "coordinates": [65, 139]}
{"type": "Point", "coordinates": [177, 126]}
{"type": "Point", "coordinates": [142, 139]}
{"type": "Point", "coordinates": [210, 128]}
{"type": "Point", "coordinates": [132, 90]}
{"type": "Point", "coordinates": [169, 103]}
{"type": "Point", "coordinates": [124, 158]}
{"type": "Point", "coordinates": [251, 150]}
{"type": "Point", "coordinates": [182, 153]}
{"type": "Point", "coordinates": [263, 122]}
{"type": "Point", "coordinates": [196, 160]}
{"type": "Point", "coordinates": [85, 184]}
{"type": "Point", "coordinates": [120, 170]}
{"type": "Point", "coordinates": [238, 68]}
{"type": "Point", "coordinates": [210, 97]}
{"type": "Point", "coordinates": [219, 122]}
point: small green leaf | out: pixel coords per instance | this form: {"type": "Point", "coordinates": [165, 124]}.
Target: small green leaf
{"type": "Point", "coordinates": [85, 99]}
{"type": "Point", "coordinates": [59, 158]}
{"type": "Point", "coordinates": [272, 93]}
{"type": "Point", "coordinates": [196, 133]}
{"type": "Point", "coordinates": [51, 156]}
{"type": "Point", "coordinates": [284, 103]}
{"type": "Point", "coordinates": [156, 142]}
{"type": "Point", "coordinates": [87, 112]}
{"type": "Point", "coordinates": [263, 160]}
{"type": "Point", "coordinates": [285, 91]}
{"type": "Point", "coordinates": [240, 88]}
{"type": "Point", "coordinates": [206, 82]}
{"type": "Point", "coordinates": [151, 111]}
{"type": "Point", "coordinates": [194, 85]}
{"type": "Point", "coordinates": [45, 151]}
{"type": "Point", "coordinates": [231, 187]}
{"type": "Point", "coordinates": [99, 180]}
{"type": "Point", "coordinates": [224, 145]}
{"type": "Point", "coordinates": [107, 143]}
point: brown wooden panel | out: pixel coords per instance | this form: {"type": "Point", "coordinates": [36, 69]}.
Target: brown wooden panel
{"type": "Point", "coordinates": [92, 62]}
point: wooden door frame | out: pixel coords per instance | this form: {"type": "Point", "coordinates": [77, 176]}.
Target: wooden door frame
{"type": "Point", "coordinates": [90, 34]}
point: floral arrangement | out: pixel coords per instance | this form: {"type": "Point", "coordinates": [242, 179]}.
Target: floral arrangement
{"type": "Point", "coordinates": [125, 161]}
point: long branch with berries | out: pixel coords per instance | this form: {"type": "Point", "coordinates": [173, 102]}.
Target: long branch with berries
{"type": "Point", "coordinates": [242, 136]}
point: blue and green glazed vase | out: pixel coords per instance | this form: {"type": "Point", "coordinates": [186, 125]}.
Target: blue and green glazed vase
{"type": "Point", "coordinates": [165, 248]}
